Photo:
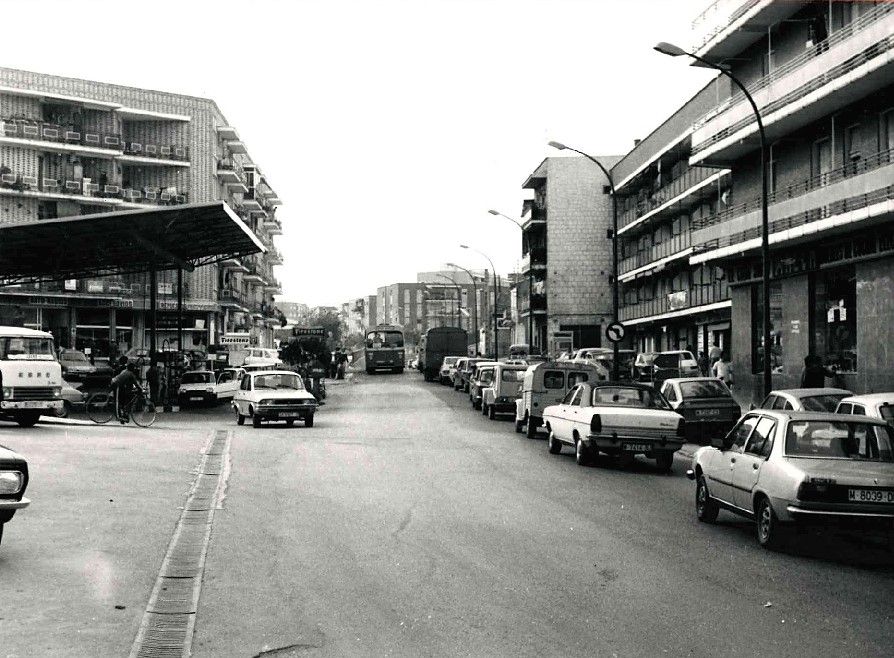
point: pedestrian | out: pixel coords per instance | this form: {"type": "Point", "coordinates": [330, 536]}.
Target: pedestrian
{"type": "Point", "coordinates": [815, 373]}
{"type": "Point", "coordinates": [153, 377]}
{"type": "Point", "coordinates": [723, 370]}
{"type": "Point", "coordinates": [714, 353]}
{"type": "Point", "coordinates": [703, 364]}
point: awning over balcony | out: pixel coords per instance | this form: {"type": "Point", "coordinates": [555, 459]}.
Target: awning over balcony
{"type": "Point", "coordinates": [185, 236]}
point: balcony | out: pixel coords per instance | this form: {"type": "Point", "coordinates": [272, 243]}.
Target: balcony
{"type": "Point", "coordinates": [696, 299]}
{"type": "Point", "coordinates": [273, 256]}
{"type": "Point", "coordinates": [50, 136]}
{"type": "Point", "coordinates": [272, 225]}
{"type": "Point", "coordinates": [535, 259]}
{"type": "Point", "coordinates": [695, 184]}
{"type": "Point", "coordinates": [533, 215]}
{"type": "Point", "coordinates": [250, 201]}
{"type": "Point", "coordinates": [656, 258]}
{"type": "Point", "coordinates": [230, 174]}
{"type": "Point", "coordinates": [155, 154]}
{"type": "Point", "coordinates": [84, 190]}
{"type": "Point", "coordinates": [227, 133]}
{"type": "Point", "coordinates": [728, 27]}
{"type": "Point", "coordinates": [851, 63]}
{"type": "Point", "coordinates": [230, 298]}
{"type": "Point", "coordinates": [837, 200]}
{"type": "Point", "coordinates": [253, 274]}
{"type": "Point", "coordinates": [233, 264]}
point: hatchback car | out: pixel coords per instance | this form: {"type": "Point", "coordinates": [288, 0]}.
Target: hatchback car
{"type": "Point", "coordinates": [706, 403]}
{"type": "Point", "coordinates": [267, 395]}
{"type": "Point", "coordinates": [876, 405]}
{"type": "Point", "coordinates": [448, 367]}
{"type": "Point", "coordinates": [13, 482]}
{"type": "Point", "coordinates": [805, 399]}
{"type": "Point", "coordinates": [787, 468]}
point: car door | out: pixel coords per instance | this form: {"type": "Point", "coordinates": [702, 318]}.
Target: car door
{"type": "Point", "coordinates": [227, 384]}
{"type": "Point", "coordinates": [720, 475]}
{"type": "Point", "coordinates": [747, 466]}
{"type": "Point", "coordinates": [559, 421]}
{"type": "Point", "coordinates": [241, 397]}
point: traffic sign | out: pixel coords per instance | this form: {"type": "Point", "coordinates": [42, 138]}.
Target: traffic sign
{"type": "Point", "coordinates": [615, 332]}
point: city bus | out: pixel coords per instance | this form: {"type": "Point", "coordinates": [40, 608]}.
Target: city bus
{"type": "Point", "coordinates": [384, 348]}
{"type": "Point", "coordinates": [30, 376]}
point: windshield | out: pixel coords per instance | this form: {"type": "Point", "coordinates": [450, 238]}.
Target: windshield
{"type": "Point", "coordinates": [384, 339]}
{"type": "Point", "coordinates": [709, 388]}
{"type": "Point", "coordinates": [826, 402]}
{"type": "Point", "coordinates": [839, 440]}
{"type": "Point", "coordinates": [74, 356]}
{"type": "Point", "coordinates": [17, 348]}
{"type": "Point", "coordinates": [628, 396]}
{"type": "Point", "coordinates": [197, 378]}
{"type": "Point", "coordinates": [450, 360]}
{"type": "Point", "coordinates": [279, 381]}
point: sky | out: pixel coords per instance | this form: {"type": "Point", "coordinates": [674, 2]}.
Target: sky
{"type": "Point", "coordinates": [388, 128]}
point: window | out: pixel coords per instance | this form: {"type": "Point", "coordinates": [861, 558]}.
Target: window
{"type": "Point", "coordinates": [576, 398]}
{"type": "Point", "coordinates": [845, 408]}
{"type": "Point", "coordinates": [553, 379]}
{"type": "Point", "coordinates": [569, 396]}
{"type": "Point", "coordinates": [670, 393]}
{"type": "Point", "coordinates": [742, 432]}
{"type": "Point", "coordinates": [887, 137]}
{"type": "Point", "coordinates": [763, 433]}
{"type": "Point", "coordinates": [835, 318]}
{"type": "Point", "coordinates": [576, 378]}
{"type": "Point", "coordinates": [757, 329]}
{"type": "Point", "coordinates": [822, 160]}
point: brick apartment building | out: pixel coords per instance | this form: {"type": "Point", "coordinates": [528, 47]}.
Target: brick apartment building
{"type": "Point", "coordinates": [566, 255]}
{"type": "Point", "coordinates": [72, 147]}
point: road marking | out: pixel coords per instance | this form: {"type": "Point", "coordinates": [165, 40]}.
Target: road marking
{"type": "Point", "coordinates": [169, 621]}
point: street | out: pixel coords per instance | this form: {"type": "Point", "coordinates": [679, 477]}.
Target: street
{"type": "Point", "coordinates": [404, 523]}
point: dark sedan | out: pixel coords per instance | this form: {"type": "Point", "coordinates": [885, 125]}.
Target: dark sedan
{"type": "Point", "coordinates": [706, 403]}
{"type": "Point", "coordinates": [13, 482]}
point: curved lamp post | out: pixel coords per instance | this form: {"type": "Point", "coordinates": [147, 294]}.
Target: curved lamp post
{"type": "Point", "coordinates": [475, 305]}
{"type": "Point", "coordinates": [675, 51]}
{"type": "Point", "coordinates": [611, 185]}
{"type": "Point", "coordinates": [494, 273]}
{"type": "Point", "coordinates": [459, 299]}
{"type": "Point", "coordinates": [530, 281]}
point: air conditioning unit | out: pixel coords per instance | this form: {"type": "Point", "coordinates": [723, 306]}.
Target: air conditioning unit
{"type": "Point", "coordinates": [166, 151]}
{"type": "Point", "coordinates": [150, 149]}
{"type": "Point", "coordinates": [135, 147]}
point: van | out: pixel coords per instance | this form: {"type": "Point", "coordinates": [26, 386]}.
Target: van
{"type": "Point", "coordinates": [504, 389]}
{"type": "Point", "coordinates": [545, 384]}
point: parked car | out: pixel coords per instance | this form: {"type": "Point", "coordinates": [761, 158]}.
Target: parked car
{"type": "Point", "coordinates": [805, 399]}
{"type": "Point", "coordinates": [208, 387]}
{"type": "Point", "coordinates": [658, 366]}
{"type": "Point", "coordinates": [262, 357]}
{"type": "Point", "coordinates": [448, 365]}
{"type": "Point", "coordinates": [73, 399]}
{"type": "Point", "coordinates": [706, 403]}
{"type": "Point", "coordinates": [268, 395]}
{"type": "Point", "coordinates": [467, 371]}
{"type": "Point", "coordinates": [76, 367]}
{"type": "Point", "coordinates": [13, 483]}
{"type": "Point", "coordinates": [875, 405]}
{"type": "Point", "coordinates": [505, 388]}
{"type": "Point", "coordinates": [481, 378]}
{"type": "Point", "coordinates": [620, 419]}
{"type": "Point", "coordinates": [456, 376]}
{"type": "Point", "coordinates": [544, 384]}
{"type": "Point", "coordinates": [781, 468]}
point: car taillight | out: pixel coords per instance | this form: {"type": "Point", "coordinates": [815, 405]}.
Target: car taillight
{"type": "Point", "coordinates": [681, 427]}
{"type": "Point", "coordinates": [596, 424]}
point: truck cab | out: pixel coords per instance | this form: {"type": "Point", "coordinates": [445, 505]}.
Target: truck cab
{"type": "Point", "coordinates": [30, 376]}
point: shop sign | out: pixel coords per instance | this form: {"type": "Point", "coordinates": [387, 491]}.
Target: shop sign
{"type": "Point", "coordinates": [35, 300]}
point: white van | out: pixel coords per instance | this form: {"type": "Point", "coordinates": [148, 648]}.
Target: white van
{"type": "Point", "coordinates": [30, 376]}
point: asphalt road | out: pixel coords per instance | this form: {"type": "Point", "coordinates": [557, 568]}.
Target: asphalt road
{"type": "Point", "coordinates": [405, 524]}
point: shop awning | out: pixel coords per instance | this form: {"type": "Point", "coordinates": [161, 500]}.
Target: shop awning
{"type": "Point", "coordinates": [168, 238]}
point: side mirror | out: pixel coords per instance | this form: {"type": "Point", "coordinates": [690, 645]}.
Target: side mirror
{"type": "Point", "coordinates": [718, 443]}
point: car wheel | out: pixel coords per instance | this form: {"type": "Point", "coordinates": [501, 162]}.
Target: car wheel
{"type": "Point", "coordinates": [706, 509]}
{"type": "Point", "coordinates": [581, 453]}
{"type": "Point", "coordinates": [665, 461]}
{"type": "Point", "coordinates": [554, 445]}
{"type": "Point", "coordinates": [255, 420]}
{"type": "Point", "coordinates": [530, 428]}
{"type": "Point", "coordinates": [491, 413]}
{"type": "Point", "coordinates": [519, 426]}
{"type": "Point", "coordinates": [290, 422]}
{"type": "Point", "coordinates": [65, 410]}
{"type": "Point", "coordinates": [309, 421]}
{"type": "Point", "coordinates": [483, 409]}
{"type": "Point", "coordinates": [240, 419]}
{"type": "Point", "coordinates": [769, 532]}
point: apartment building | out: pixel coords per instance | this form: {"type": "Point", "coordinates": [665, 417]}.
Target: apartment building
{"type": "Point", "coordinates": [71, 147]}
{"type": "Point", "coordinates": [821, 76]}
{"type": "Point", "coordinates": [566, 262]}
{"type": "Point", "coordinates": [665, 302]}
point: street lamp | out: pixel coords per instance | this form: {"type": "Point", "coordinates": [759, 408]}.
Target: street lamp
{"type": "Point", "coordinates": [475, 305]}
{"type": "Point", "coordinates": [675, 51]}
{"type": "Point", "coordinates": [459, 298]}
{"type": "Point", "coordinates": [530, 281]}
{"type": "Point", "coordinates": [494, 273]}
{"type": "Point", "coordinates": [611, 185]}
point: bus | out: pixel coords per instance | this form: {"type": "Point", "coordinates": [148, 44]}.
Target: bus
{"type": "Point", "coordinates": [30, 376]}
{"type": "Point", "coordinates": [384, 349]}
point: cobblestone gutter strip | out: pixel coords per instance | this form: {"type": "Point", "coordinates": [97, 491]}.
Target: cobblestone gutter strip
{"type": "Point", "coordinates": [169, 621]}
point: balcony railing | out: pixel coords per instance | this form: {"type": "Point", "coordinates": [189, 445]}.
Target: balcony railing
{"type": "Point", "coordinates": [724, 13]}
{"type": "Point", "coordinates": [159, 151]}
{"type": "Point", "coordinates": [824, 76]}
{"type": "Point", "coordinates": [672, 190]}
{"type": "Point", "coordinates": [42, 131]}
{"type": "Point", "coordinates": [86, 187]}
{"type": "Point", "coordinates": [655, 253]}
{"type": "Point", "coordinates": [230, 296]}
{"type": "Point", "coordinates": [693, 297]}
{"type": "Point", "coordinates": [534, 214]}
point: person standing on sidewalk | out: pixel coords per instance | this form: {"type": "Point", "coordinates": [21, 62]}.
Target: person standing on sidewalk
{"type": "Point", "coordinates": [723, 370]}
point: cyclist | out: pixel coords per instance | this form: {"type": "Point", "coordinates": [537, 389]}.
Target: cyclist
{"type": "Point", "coordinates": [124, 384]}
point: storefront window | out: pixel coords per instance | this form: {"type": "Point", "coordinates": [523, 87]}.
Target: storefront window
{"type": "Point", "coordinates": [757, 328]}
{"type": "Point", "coordinates": [835, 322]}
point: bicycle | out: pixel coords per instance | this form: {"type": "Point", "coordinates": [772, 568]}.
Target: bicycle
{"type": "Point", "coordinates": [103, 406]}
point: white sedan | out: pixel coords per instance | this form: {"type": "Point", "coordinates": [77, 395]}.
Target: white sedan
{"type": "Point", "coordinates": [621, 420]}
{"type": "Point", "coordinates": [267, 395]}
{"type": "Point", "coordinates": [786, 468]}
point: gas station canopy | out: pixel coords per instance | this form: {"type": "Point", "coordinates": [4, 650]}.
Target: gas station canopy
{"type": "Point", "coordinates": [168, 238]}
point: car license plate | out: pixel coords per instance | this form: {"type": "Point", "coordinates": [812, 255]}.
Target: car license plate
{"type": "Point", "coordinates": [707, 412]}
{"type": "Point", "coordinates": [870, 496]}
{"type": "Point", "coordinates": [199, 399]}
{"type": "Point", "coordinates": [288, 414]}
{"type": "Point", "coordinates": [636, 447]}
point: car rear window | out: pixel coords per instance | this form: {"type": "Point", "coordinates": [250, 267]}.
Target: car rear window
{"type": "Point", "coordinates": [667, 361]}
{"type": "Point", "coordinates": [704, 389]}
{"type": "Point", "coordinates": [886, 411]}
{"type": "Point", "coordinates": [197, 378]}
{"type": "Point", "coordinates": [628, 396]}
{"type": "Point", "coordinates": [825, 402]}
{"type": "Point", "coordinates": [554, 379]}
{"type": "Point", "coordinates": [513, 375]}
{"type": "Point", "coordinates": [839, 440]}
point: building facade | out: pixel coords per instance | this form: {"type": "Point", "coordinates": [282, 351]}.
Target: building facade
{"type": "Point", "coordinates": [566, 256]}
{"type": "Point", "coordinates": [72, 147]}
